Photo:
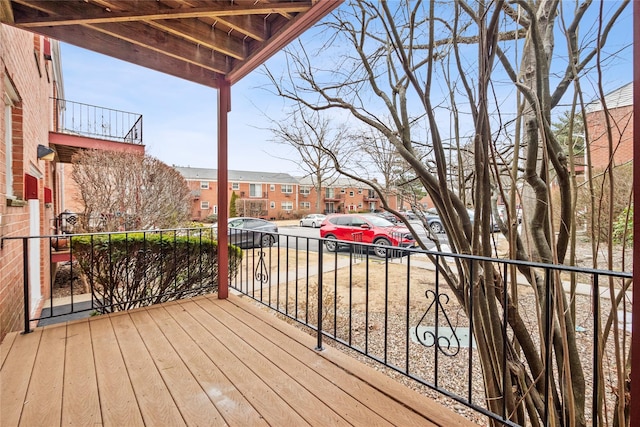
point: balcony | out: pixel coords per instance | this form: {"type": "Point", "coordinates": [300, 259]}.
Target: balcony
{"type": "Point", "coordinates": [256, 357]}
{"type": "Point", "coordinates": [81, 126]}
{"type": "Point", "coordinates": [336, 197]}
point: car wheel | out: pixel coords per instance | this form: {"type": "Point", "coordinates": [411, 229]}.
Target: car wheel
{"type": "Point", "coordinates": [313, 225]}
{"type": "Point", "coordinates": [267, 240]}
{"type": "Point", "coordinates": [436, 227]}
{"type": "Point", "coordinates": [331, 243]}
{"type": "Point", "coordinates": [301, 225]}
{"type": "Point", "coordinates": [380, 251]}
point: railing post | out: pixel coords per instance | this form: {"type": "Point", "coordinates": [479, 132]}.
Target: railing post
{"type": "Point", "coordinates": [25, 274]}
{"type": "Point", "coordinates": [320, 268]}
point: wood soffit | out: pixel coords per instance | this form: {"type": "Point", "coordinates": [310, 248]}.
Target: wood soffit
{"type": "Point", "coordinates": [202, 41]}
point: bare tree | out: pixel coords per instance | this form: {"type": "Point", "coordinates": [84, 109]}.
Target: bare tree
{"type": "Point", "coordinates": [389, 70]}
{"type": "Point", "coordinates": [311, 135]}
{"type": "Point", "coordinates": [124, 191]}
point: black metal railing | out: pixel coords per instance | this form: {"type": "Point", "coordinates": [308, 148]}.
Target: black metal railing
{"type": "Point", "coordinates": [105, 272]}
{"type": "Point", "coordinates": [398, 309]}
{"type": "Point", "coordinates": [76, 118]}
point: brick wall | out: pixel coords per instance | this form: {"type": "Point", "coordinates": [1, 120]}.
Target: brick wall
{"type": "Point", "coordinates": [622, 136]}
{"type": "Point", "coordinates": [31, 116]}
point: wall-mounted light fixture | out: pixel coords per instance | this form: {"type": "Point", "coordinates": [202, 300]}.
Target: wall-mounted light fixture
{"type": "Point", "coordinates": [45, 153]}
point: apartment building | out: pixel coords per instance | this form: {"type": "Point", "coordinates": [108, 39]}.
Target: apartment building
{"type": "Point", "coordinates": [257, 194]}
{"type": "Point", "coordinates": [619, 104]}
{"type": "Point", "coordinates": [278, 195]}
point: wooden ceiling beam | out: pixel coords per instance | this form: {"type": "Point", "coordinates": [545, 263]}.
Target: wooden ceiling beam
{"type": "Point", "coordinates": [200, 33]}
{"type": "Point", "coordinates": [166, 44]}
{"type": "Point", "coordinates": [6, 12]}
{"type": "Point", "coordinates": [105, 44]}
{"type": "Point", "coordinates": [83, 16]}
{"type": "Point", "coordinates": [249, 26]}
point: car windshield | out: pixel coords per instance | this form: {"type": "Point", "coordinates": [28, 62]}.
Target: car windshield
{"type": "Point", "coordinates": [378, 221]}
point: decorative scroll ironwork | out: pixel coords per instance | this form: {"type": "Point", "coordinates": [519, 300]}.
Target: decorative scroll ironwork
{"type": "Point", "coordinates": [261, 274]}
{"type": "Point", "coordinates": [442, 343]}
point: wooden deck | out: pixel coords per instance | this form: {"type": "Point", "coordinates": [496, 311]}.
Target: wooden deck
{"type": "Point", "coordinates": [202, 361]}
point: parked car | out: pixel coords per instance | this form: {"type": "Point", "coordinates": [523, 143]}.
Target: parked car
{"type": "Point", "coordinates": [365, 228]}
{"type": "Point", "coordinates": [312, 220]}
{"type": "Point", "coordinates": [248, 232]}
{"type": "Point", "coordinates": [389, 217]}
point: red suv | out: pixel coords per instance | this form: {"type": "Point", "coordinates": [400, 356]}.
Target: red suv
{"type": "Point", "coordinates": [365, 228]}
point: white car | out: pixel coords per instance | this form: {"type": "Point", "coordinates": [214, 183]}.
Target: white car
{"type": "Point", "coordinates": [312, 220]}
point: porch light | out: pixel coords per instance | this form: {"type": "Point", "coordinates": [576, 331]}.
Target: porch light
{"type": "Point", "coordinates": [45, 153]}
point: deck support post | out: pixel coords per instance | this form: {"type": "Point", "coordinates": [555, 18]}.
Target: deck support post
{"type": "Point", "coordinates": [224, 106]}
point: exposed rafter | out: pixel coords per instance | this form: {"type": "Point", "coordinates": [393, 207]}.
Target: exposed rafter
{"type": "Point", "coordinates": [198, 40]}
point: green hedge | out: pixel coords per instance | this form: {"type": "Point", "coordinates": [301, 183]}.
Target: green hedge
{"type": "Point", "coordinates": [129, 270]}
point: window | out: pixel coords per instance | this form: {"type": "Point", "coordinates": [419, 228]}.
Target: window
{"type": "Point", "coordinates": [350, 193]}
{"type": "Point", "coordinates": [204, 205]}
{"type": "Point", "coordinates": [305, 190]}
{"type": "Point", "coordinates": [305, 205]}
{"type": "Point", "coordinates": [359, 190]}
{"type": "Point", "coordinates": [8, 138]}
{"type": "Point", "coordinates": [287, 206]}
{"type": "Point", "coordinates": [255, 190]}
{"type": "Point", "coordinates": [272, 205]}
{"type": "Point", "coordinates": [287, 188]}
{"type": "Point", "coordinates": [342, 190]}
{"type": "Point", "coordinates": [235, 185]}
{"type": "Point", "coordinates": [204, 185]}
{"type": "Point", "coordinates": [272, 187]}
{"type": "Point", "coordinates": [328, 193]}
{"type": "Point", "coordinates": [13, 144]}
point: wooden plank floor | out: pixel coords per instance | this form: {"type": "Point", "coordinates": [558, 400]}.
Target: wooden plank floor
{"type": "Point", "coordinates": [202, 361]}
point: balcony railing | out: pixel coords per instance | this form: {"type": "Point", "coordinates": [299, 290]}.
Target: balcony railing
{"type": "Point", "coordinates": [397, 310]}
{"type": "Point", "coordinates": [76, 118]}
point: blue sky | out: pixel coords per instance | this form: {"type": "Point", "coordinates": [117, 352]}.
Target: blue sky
{"type": "Point", "coordinates": [179, 117]}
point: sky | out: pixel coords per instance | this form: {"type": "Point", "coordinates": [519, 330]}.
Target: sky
{"type": "Point", "coordinates": [179, 117]}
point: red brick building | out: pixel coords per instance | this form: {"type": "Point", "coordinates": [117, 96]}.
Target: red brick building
{"type": "Point", "coordinates": [259, 194]}
{"type": "Point", "coordinates": [30, 75]}
{"type": "Point", "coordinates": [278, 195]}
{"type": "Point", "coordinates": [620, 106]}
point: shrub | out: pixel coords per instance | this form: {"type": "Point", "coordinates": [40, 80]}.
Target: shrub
{"type": "Point", "coordinates": [129, 270]}
{"type": "Point", "coordinates": [623, 226]}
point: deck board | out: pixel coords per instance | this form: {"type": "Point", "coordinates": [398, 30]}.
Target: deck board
{"type": "Point", "coordinates": [201, 361]}
{"type": "Point", "coordinates": [153, 397]}
{"type": "Point", "coordinates": [15, 375]}
{"type": "Point", "coordinates": [81, 403]}
{"type": "Point", "coordinates": [321, 370]}
{"type": "Point", "coordinates": [259, 394]}
{"type": "Point", "coordinates": [44, 397]}
{"type": "Point", "coordinates": [192, 402]}
{"type": "Point", "coordinates": [117, 400]}
{"type": "Point", "coordinates": [231, 404]}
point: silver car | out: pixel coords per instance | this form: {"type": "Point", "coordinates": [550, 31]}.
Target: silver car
{"type": "Point", "coordinates": [252, 232]}
{"type": "Point", "coordinates": [312, 220]}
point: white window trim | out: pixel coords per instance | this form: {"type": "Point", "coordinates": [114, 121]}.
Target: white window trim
{"type": "Point", "coordinates": [204, 205]}
{"type": "Point", "coordinates": [286, 206]}
{"type": "Point", "coordinates": [204, 185]}
{"type": "Point", "coordinates": [259, 196]}
{"type": "Point", "coordinates": [272, 205]}
{"type": "Point", "coordinates": [235, 186]}
{"type": "Point", "coordinates": [284, 187]}
{"type": "Point", "coordinates": [10, 98]}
